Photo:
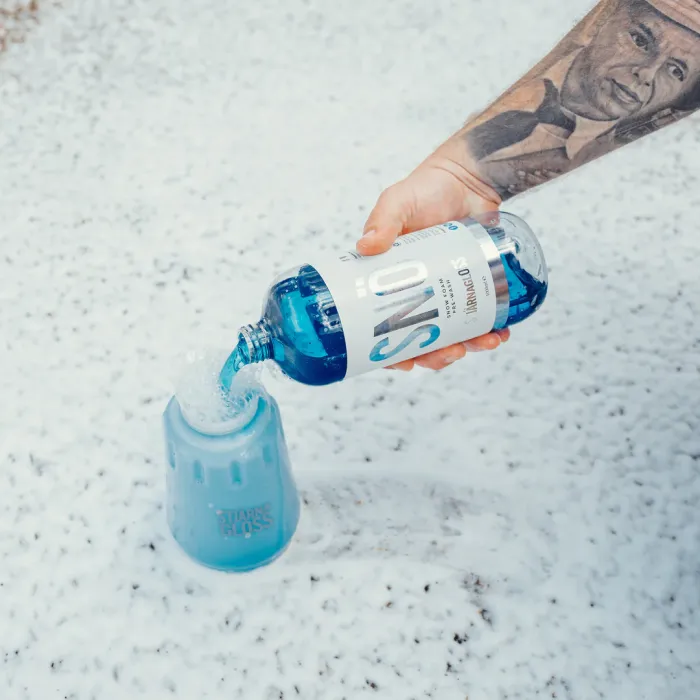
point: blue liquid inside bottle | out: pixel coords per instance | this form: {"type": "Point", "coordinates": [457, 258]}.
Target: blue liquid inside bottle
{"type": "Point", "coordinates": [301, 330]}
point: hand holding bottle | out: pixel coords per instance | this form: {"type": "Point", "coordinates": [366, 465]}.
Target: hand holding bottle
{"type": "Point", "coordinates": [439, 190]}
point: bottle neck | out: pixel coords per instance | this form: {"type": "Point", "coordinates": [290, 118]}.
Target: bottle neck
{"type": "Point", "coordinates": [254, 345]}
{"type": "Point", "coordinates": [255, 342]}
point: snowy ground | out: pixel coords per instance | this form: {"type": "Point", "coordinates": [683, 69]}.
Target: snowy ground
{"type": "Point", "coordinates": [523, 525]}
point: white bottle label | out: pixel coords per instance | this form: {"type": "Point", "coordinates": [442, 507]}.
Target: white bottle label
{"type": "Point", "coordinates": [432, 289]}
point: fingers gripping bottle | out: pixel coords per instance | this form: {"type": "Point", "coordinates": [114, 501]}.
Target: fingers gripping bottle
{"type": "Point", "coordinates": [341, 316]}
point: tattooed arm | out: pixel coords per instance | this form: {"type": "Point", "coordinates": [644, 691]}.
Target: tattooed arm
{"type": "Point", "coordinates": [629, 68]}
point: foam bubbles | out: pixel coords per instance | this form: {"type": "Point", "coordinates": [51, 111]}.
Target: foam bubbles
{"type": "Point", "coordinates": [205, 405]}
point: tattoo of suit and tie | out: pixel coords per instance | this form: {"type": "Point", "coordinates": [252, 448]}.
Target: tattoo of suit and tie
{"type": "Point", "coordinates": [630, 68]}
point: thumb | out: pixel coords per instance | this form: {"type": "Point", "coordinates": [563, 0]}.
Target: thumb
{"type": "Point", "coordinates": [387, 220]}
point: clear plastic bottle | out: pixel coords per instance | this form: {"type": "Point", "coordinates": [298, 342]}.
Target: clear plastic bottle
{"type": "Point", "coordinates": [325, 321]}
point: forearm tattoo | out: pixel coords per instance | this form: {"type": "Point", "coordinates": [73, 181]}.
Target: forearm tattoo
{"type": "Point", "coordinates": [628, 69]}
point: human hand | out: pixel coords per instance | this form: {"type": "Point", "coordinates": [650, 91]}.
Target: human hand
{"type": "Point", "coordinates": [439, 190]}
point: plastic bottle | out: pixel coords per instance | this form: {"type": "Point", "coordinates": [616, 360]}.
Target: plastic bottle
{"type": "Point", "coordinates": [341, 316]}
{"type": "Point", "coordinates": [232, 503]}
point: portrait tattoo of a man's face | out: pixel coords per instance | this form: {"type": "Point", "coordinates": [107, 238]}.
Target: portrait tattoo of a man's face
{"type": "Point", "coordinates": [632, 69]}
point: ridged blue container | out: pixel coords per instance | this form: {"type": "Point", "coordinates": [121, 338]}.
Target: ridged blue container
{"type": "Point", "coordinates": [232, 503]}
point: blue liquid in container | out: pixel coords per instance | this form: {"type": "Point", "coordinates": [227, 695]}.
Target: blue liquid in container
{"type": "Point", "coordinates": [301, 331]}
{"type": "Point", "coordinates": [232, 503]}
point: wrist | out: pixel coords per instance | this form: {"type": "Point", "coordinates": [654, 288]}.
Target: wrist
{"type": "Point", "coordinates": [454, 157]}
